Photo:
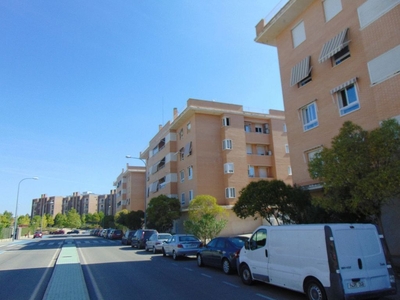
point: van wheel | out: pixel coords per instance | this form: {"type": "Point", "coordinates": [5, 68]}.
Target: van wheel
{"type": "Point", "coordinates": [245, 275]}
{"type": "Point", "coordinates": [199, 260]}
{"type": "Point", "coordinates": [226, 266]}
{"type": "Point", "coordinates": [315, 290]}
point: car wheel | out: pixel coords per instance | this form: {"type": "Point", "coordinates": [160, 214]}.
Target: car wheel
{"type": "Point", "coordinates": [146, 249]}
{"type": "Point", "coordinates": [315, 290]}
{"type": "Point", "coordinates": [226, 266]}
{"type": "Point", "coordinates": [154, 250]}
{"type": "Point", "coordinates": [245, 275]}
{"type": "Point", "coordinates": [200, 261]}
{"type": "Point", "coordinates": [174, 256]}
{"type": "Point", "coordinates": [163, 252]}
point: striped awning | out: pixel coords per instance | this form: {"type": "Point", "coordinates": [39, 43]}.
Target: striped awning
{"type": "Point", "coordinates": [188, 149]}
{"type": "Point", "coordinates": [343, 85]}
{"type": "Point", "coordinates": [300, 71]}
{"type": "Point", "coordinates": [333, 46]}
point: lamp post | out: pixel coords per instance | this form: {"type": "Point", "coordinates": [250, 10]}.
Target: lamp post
{"type": "Point", "coordinates": [145, 184]}
{"type": "Point", "coordinates": [16, 206]}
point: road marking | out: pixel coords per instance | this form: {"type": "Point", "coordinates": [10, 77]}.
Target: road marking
{"type": "Point", "coordinates": [206, 275]}
{"type": "Point", "coordinates": [90, 274]}
{"type": "Point", "coordinates": [231, 284]}
{"type": "Point", "coordinates": [189, 269]}
{"type": "Point", "coordinates": [48, 269]}
{"type": "Point", "coordinates": [265, 297]}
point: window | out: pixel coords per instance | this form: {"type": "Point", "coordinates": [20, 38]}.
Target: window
{"type": "Point", "coordinates": [230, 192]}
{"type": "Point", "coordinates": [335, 45]}
{"type": "Point", "coordinates": [301, 73]}
{"type": "Point", "coordinates": [298, 34]}
{"type": "Point", "coordinates": [251, 171]}
{"type": "Point", "coordinates": [384, 66]}
{"type": "Point", "coordinates": [261, 150]}
{"type": "Point", "coordinates": [188, 127]}
{"type": "Point", "coordinates": [188, 149]}
{"type": "Point", "coordinates": [289, 170]}
{"type": "Point", "coordinates": [181, 133]}
{"type": "Point", "coordinates": [371, 11]}
{"type": "Point", "coordinates": [247, 128]}
{"type": "Point", "coordinates": [331, 8]}
{"type": "Point", "coordinates": [228, 168]}
{"type": "Point", "coordinates": [182, 153]}
{"type": "Point", "coordinates": [249, 149]}
{"type": "Point", "coordinates": [226, 144]}
{"type": "Point", "coordinates": [309, 116]}
{"type": "Point", "coordinates": [225, 121]}
{"type": "Point", "coordinates": [190, 172]}
{"type": "Point", "coordinates": [284, 127]}
{"type": "Point", "coordinates": [287, 148]}
{"type": "Point", "coordinates": [258, 239]}
{"type": "Point", "coordinates": [348, 100]}
{"type": "Point", "coordinates": [182, 175]}
{"type": "Point", "coordinates": [259, 129]}
{"type": "Point", "coordinates": [341, 56]}
{"type": "Point", "coordinates": [311, 154]}
{"type": "Point", "coordinates": [190, 195]}
{"type": "Point", "coordinates": [183, 199]}
{"type": "Point", "coordinates": [266, 128]}
{"type": "Point", "coordinates": [262, 172]}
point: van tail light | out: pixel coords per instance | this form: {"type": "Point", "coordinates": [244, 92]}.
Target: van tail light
{"type": "Point", "coordinates": [179, 246]}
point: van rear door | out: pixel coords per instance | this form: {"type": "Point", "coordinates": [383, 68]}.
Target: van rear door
{"type": "Point", "coordinates": [361, 259]}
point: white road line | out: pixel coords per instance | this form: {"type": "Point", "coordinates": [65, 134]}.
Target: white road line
{"type": "Point", "coordinates": [48, 269]}
{"type": "Point", "coordinates": [205, 275]}
{"type": "Point", "coordinates": [90, 274]}
{"type": "Point", "coordinates": [265, 297]}
{"type": "Point", "coordinates": [230, 284]}
{"type": "Point", "coordinates": [189, 269]}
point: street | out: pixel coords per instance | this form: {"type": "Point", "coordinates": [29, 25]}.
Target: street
{"type": "Point", "coordinates": [115, 271]}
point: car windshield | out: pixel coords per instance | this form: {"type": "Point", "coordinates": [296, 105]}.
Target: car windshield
{"type": "Point", "coordinates": [164, 236]}
{"type": "Point", "coordinates": [188, 239]}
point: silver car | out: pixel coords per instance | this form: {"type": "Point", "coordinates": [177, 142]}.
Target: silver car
{"type": "Point", "coordinates": [156, 241]}
{"type": "Point", "coordinates": [181, 245]}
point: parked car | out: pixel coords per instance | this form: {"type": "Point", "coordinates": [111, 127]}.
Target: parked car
{"type": "Point", "coordinates": [127, 237]}
{"type": "Point", "coordinates": [60, 231]}
{"type": "Point", "coordinates": [106, 232]}
{"type": "Point", "coordinates": [75, 231]}
{"type": "Point", "coordinates": [109, 233]}
{"type": "Point", "coordinates": [140, 237]}
{"type": "Point", "coordinates": [221, 252]}
{"type": "Point", "coordinates": [156, 240]}
{"type": "Point", "coordinates": [181, 245]}
{"type": "Point", "coordinates": [116, 234]}
{"type": "Point", "coordinates": [37, 234]}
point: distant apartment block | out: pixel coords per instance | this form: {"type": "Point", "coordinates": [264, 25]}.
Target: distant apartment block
{"type": "Point", "coordinates": [216, 149]}
{"type": "Point", "coordinates": [339, 60]}
{"type": "Point", "coordinates": [130, 189]}
{"type": "Point", "coordinates": [84, 203]}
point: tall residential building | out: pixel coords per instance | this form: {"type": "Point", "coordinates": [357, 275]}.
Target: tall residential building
{"type": "Point", "coordinates": [216, 149]}
{"type": "Point", "coordinates": [339, 61]}
{"type": "Point", "coordinates": [83, 204]}
{"type": "Point", "coordinates": [106, 203]}
{"type": "Point", "coordinates": [130, 189]}
{"type": "Point", "coordinates": [51, 205]}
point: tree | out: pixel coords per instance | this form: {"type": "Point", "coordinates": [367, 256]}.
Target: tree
{"type": "Point", "coordinates": [24, 220]}
{"type": "Point", "coordinates": [134, 219]}
{"type": "Point", "coordinates": [206, 218]}
{"type": "Point", "coordinates": [361, 171]}
{"type": "Point", "coordinates": [60, 220]}
{"type": "Point", "coordinates": [49, 220]}
{"type": "Point", "coordinates": [73, 219]}
{"type": "Point", "coordinates": [36, 222]}
{"type": "Point", "coordinates": [6, 219]}
{"type": "Point", "coordinates": [120, 217]}
{"type": "Point", "coordinates": [162, 211]}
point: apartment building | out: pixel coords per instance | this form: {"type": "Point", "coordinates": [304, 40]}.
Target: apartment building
{"type": "Point", "coordinates": [339, 61]}
{"type": "Point", "coordinates": [51, 205]}
{"type": "Point", "coordinates": [84, 203]}
{"type": "Point", "coordinates": [130, 188]}
{"type": "Point", "coordinates": [107, 203]}
{"type": "Point", "coordinates": [216, 149]}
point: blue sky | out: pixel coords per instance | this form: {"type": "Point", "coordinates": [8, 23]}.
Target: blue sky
{"type": "Point", "coordinates": [84, 83]}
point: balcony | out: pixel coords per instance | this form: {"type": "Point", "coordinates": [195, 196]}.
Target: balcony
{"type": "Point", "coordinates": [257, 138]}
{"type": "Point", "coordinates": [260, 160]}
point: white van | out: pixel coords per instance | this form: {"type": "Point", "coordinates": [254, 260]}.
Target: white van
{"type": "Point", "coordinates": [324, 261]}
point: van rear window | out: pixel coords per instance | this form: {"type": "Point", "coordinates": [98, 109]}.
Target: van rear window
{"type": "Point", "coordinates": [349, 242]}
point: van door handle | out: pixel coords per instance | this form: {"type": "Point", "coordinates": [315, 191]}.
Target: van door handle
{"type": "Point", "coordinates": [360, 266]}
{"type": "Point", "coordinates": [266, 253]}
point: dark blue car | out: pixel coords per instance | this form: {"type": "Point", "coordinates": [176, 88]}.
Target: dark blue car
{"type": "Point", "coordinates": [221, 252]}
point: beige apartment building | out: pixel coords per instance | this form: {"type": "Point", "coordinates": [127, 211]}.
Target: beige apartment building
{"type": "Point", "coordinates": [107, 203]}
{"type": "Point", "coordinates": [130, 189]}
{"type": "Point", "coordinates": [84, 203]}
{"type": "Point", "coordinates": [339, 60]}
{"type": "Point", "coordinates": [216, 149]}
{"type": "Point", "coordinates": [51, 205]}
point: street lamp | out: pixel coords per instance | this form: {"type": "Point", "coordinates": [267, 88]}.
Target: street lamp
{"type": "Point", "coordinates": [145, 184]}
{"type": "Point", "coordinates": [16, 206]}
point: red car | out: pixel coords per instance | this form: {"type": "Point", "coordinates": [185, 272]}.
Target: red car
{"type": "Point", "coordinates": [38, 234]}
{"type": "Point", "coordinates": [116, 234]}
{"type": "Point", "coordinates": [59, 232]}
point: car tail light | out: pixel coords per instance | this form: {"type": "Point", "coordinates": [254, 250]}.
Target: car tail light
{"type": "Point", "coordinates": [237, 254]}
{"type": "Point", "coordinates": [179, 246]}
